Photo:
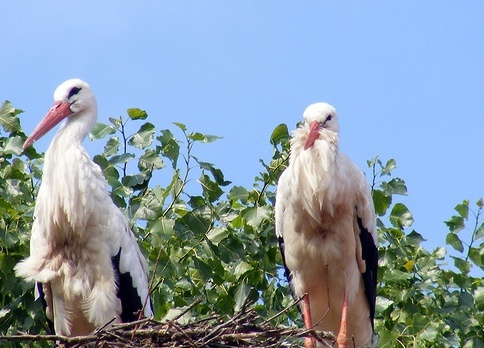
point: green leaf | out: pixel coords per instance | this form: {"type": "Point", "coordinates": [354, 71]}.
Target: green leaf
{"type": "Point", "coordinates": [8, 117]}
{"type": "Point", "coordinates": [463, 209]}
{"type": "Point", "coordinates": [217, 234]}
{"type": "Point", "coordinates": [479, 297]}
{"type": "Point", "coordinates": [479, 233]}
{"type": "Point", "coordinates": [415, 238]}
{"type": "Point", "coordinates": [453, 240]}
{"type": "Point", "coordinates": [279, 134]}
{"type": "Point", "coordinates": [381, 202]}
{"type": "Point", "coordinates": [238, 193]}
{"type": "Point", "coordinates": [204, 138]}
{"type": "Point", "coordinates": [204, 269]}
{"type": "Point", "coordinates": [117, 122]}
{"type": "Point", "coordinates": [254, 216]}
{"type": "Point", "coordinates": [480, 203]}
{"type": "Point", "coordinates": [382, 304]}
{"type": "Point", "coordinates": [134, 180]}
{"type": "Point", "coordinates": [395, 187]}
{"type": "Point", "coordinates": [111, 173]}
{"type": "Point", "coordinates": [373, 162]}
{"type": "Point", "coordinates": [112, 147]}
{"type": "Point", "coordinates": [100, 130]}
{"type": "Point", "coordinates": [455, 224]}
{"type": "Point", "coordinates": [400, 216]}
{"type": "Point", "coordinates": [241, 293]}
{"type": "Point", "coordinates": [211, 189]}
{"type": "Point", "coordinates": [181, 126]}
{"type": "Point", "coordinates": [119, 159]}
{"type": "Point", "coordinates": [122, 191]}
{"type": "Point", "coordinates": [476, 256]}
{"type": "Point", "coordinates": [440, 253]}
{"type": "Point", "coordinates": [150, 161]}
{"type": "Point", "coordinates": [198, 220]}
{"type": "Point", "coordinates": [389, 167]}
{"type": "Point", "coordinates": [429, 333]}
{"type": "Point", "coordinates": [463, 265]}
{"type": "Point", "coordinates": [241, 268]}
{"type": "Point", "coordinates": [217, 173]}
{"type": "Point", "coordinates": [143, 137]}
{"type": "Point", "coordinates": [169, 146]}
{"type": "Point", "coordinates": [136, 114]}
{"type": "Point", "coordinates": [13, 146]}
{"type": "Point", "coordinates": [163, 228]}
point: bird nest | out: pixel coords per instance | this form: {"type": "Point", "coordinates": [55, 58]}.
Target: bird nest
{"type": "Point", "coordinates": [244, 329]}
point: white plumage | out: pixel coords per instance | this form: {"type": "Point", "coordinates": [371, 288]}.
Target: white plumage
{"type": "Point", "coordinates": [325, 222]}
{"type": "Point", "coordinates": [83, 255]}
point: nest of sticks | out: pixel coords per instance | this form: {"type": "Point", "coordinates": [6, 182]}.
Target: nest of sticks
{"type": "Point", "coordinates": [245, 329]}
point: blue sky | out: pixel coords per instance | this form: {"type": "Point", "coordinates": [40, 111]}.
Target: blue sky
{"type": "Point", "coordinates": [406, 78]}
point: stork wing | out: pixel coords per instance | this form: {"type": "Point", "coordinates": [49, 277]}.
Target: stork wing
{"type": "Point", "coordinates": [42, 292]}
{"type": "Point", "coordinates": [279, 209]}
{"type": "Point", "coordinates": [131, 271]}
{"type": "Point", "coordinates": [367, 252]}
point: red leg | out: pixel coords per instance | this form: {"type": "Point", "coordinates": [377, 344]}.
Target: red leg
{"type": "Point", "coordinates": [309, 342]}
{"type": "Point", "coordinates": [342, 337]}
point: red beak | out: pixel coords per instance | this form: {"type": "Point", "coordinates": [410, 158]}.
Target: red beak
{"type": "Point", "coordinates": [313, 135]}
{"type": "Point", "coordinates": [57, 113]}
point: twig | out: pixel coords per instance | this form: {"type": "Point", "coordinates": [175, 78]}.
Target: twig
{"type": "Point", "coordinates": [285, 310]}
{"type": "Point", "coordinates": [188, 309]}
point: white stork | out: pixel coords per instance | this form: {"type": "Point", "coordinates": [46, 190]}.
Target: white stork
{"type": "Point", "coordinates": [84, 258]}
{"type": "Point", "coordinates": [325, 222]}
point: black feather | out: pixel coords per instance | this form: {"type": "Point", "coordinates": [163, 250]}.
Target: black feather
{"type": "Point", "coordinates": [44, 306]}
{"type": "Point", "coordinates": [287, 273]}
{"type": "Point", "coordinates": [370, 255]}
{"type": "Point", "coordinates": [131, 303]}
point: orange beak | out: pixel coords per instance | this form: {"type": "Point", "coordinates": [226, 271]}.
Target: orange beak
{"type": "Point", "coordinates": [57, 113]}
{"type": "Point", "coordinates": [313, 134]}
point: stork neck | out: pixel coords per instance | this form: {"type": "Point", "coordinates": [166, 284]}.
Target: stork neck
{"type": "Point", "coordinates": [75, 129]}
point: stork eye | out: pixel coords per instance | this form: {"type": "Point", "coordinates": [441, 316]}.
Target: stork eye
{"type": "Point", "coordinates": [329, 118]}
{"type": "Point", "coordinates": [73, 91]}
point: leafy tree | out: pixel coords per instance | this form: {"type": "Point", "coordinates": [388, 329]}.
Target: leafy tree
{"type": "Point", "coordinates": [211, 245]}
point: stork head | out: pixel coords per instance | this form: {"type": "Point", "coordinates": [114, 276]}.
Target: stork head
{"type": "Point", "coordinates": [72, 98]}
{"type": "Point", "coordinates": [319, 117]}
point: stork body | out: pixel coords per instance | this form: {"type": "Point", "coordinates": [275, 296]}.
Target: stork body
{"type": "Point", "coordinates": [325, 222]}
{"type": "Point", "coordinates": [83, 255]}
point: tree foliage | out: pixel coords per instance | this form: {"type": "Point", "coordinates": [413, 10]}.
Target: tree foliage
{"type": "Point", "coordinates": [211, 244]}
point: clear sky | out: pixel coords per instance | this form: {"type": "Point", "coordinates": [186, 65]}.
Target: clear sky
{"type": "Point", "coordinates": [407, 79]}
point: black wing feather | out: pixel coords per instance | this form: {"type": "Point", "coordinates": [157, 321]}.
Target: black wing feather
{"type": "Point", "coordinates": [44, 306]}
{"type": "Point", "coordinates": [287, 272]}
{"type": "Point", "coordinates": [131, 303]}
{"type": "Point", "coordinates": [369, 253]}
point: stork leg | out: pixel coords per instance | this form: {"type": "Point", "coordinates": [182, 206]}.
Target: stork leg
{"type": "Point", "coordinates": [309, 342]}
{"type": "Point", "coordinates": [342, 336]}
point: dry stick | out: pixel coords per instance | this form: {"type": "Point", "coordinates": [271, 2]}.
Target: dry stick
{"type": "Point", "coordinates": [306, 332]}
{"type": "Point", "coordinates": [200, 321]}
{"type": "Point", "coordinates": [182, 333]}
{"type": "Point", "coordinates": [287, 309]}
{"type": "Point", "coordinates": [189, 308]}
{"type": "Point", "coordinates": [179, 329]}
{"type": "Point", "coordinates": [99, 329]}
{"type": "Point", "coordinates": [218, 331]}
{"type": "Point", "coordinates": [65, 339]}
{"type": "Point", "coordinates": [122, 339]}
{"type": "Point", "coordinates": [134, 323]}
{"type": "Point", "coordinates": [173, 333]}
{"type": "Point", "coordinates": [220, 327]}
